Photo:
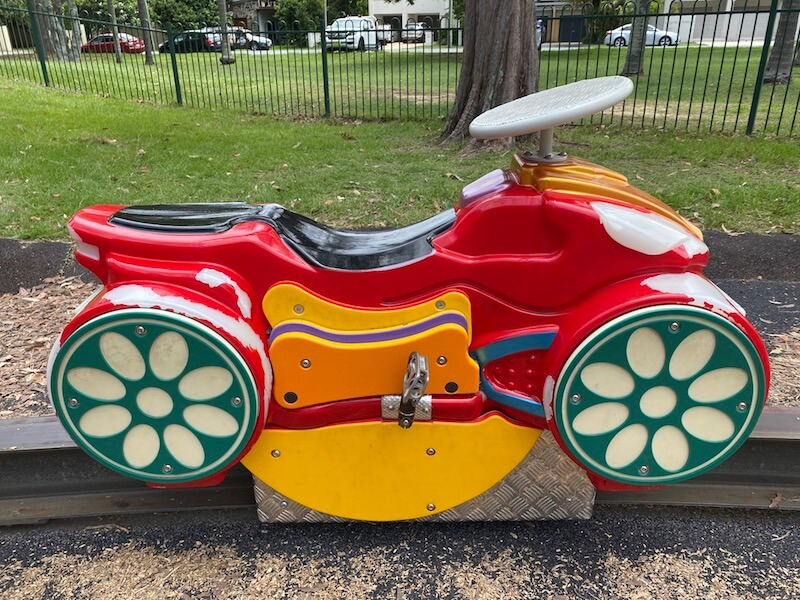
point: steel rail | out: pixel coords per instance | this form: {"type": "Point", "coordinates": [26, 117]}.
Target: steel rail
{"type": "Point", "coordinates": [44, 476]}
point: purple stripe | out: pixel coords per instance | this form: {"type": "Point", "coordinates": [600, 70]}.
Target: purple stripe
{"type": "Point", "coordinates": [372, 336]}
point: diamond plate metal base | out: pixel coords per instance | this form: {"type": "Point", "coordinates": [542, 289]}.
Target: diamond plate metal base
{"type": "Point", "coordinates": [546, 485]}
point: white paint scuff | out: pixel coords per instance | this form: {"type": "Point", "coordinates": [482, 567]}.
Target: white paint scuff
{"type": "Point", "coordinates": [700, 290]}
{"type": "Point", "coordinates": [214, 278]}
{"type": "Point", "coordinates": [646, 232]}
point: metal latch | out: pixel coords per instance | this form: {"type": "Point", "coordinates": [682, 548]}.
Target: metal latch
{"type": "Point", "coordinates": [414, 384]}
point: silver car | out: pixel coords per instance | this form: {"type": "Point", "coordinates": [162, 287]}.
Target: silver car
{"type": "Point", "coordinates": [621, 36]}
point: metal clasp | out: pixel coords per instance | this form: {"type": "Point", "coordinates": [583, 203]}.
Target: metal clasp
{"type": "Point", "coordinates": [414, 385]}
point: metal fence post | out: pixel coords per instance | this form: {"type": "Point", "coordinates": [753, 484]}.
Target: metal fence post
{"type": "Point", "coordinates": [325, 84]}
{"type": "Point", "coordinates": [38, 43]}
{"type": "Point", "coordinates": [762, 66]}
{"type": "Point", "coordinates": [174, 61]}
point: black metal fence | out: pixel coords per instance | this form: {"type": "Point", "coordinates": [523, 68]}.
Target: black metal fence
{"type": "Point", "coordinates": [713, 71]}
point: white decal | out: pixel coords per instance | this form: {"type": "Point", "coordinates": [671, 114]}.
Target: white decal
{"type": "Point", "coordinates": [702, 292]}
{"type": "Point", "coordinates": [213, 278]}
{"type": "Point", "coordinates": [646, 232]}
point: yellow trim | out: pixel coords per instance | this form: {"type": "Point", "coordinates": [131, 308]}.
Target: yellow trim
{"type": "Point", "coordinates": [378, 471]}
{"type": "Point", "coordinates": [576, 176]}
{"type": "Point", "coordinates": [280, 302]}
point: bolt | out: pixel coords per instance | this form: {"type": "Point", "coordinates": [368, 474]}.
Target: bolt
{"type": "Point", "coordinates": [674, 326]}
{"type": "Point", "coordinates": [167, 468]}
{"type": "Point", "coordinates": [140, 330]}
{"type": "Point", "coordinates": [236, 401]}
{"type": "Point", "coordinates": [299, 308]}
{"type": "Point", "coordinates": [440, 304]}
{"type": "Point", "coordinates": [305, 363]}
{"type": "Point", "coordinates": [431, 507]}
{"type": "Point", "coordinates": [276, 453]}
{"type": "Point", "coordinates": [644, 470]}
{"type": "Point", "coordinates": [391, 406]}
{"type": "Point", "coordinates": [575, 398]}
{"type": "Point", "coordinates": [73, 402]}
{"type": "Point", "coordinates": [442, 360]}
{"type": "Point", "coordinates": [741, 407]}
{"type": "Point", "coordinates": [284, 504]}
{"type": "Point", "coordinates": [431, 451]}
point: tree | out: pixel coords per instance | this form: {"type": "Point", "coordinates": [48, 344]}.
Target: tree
{"type": "Point", "coordinates": [634, 61]}
{"type": "Point", "coordinates": [782, 56]}
{"type": "Point", "coordinates": [499, 64]}
{"type": "Point", "coordinates": [147, 35]}
{"type": "Point", "coordinates": [184, 12]}
{"type": "Point", "coordinates": [346, 8]}
{"type": "Point", "coordinates": [302, 13]}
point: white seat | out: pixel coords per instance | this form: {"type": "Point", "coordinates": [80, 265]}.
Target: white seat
{"type": "Point", "coordinates": [545, 110]}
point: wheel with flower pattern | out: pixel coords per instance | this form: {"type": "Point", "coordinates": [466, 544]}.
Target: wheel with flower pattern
{"type": "Point", "coordinates": [155, 395]}
{"type": "Point", "coordinates": [659, 395]}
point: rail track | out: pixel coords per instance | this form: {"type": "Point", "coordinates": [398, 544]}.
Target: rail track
{"type": "Point", "coordinates": [44, 476]}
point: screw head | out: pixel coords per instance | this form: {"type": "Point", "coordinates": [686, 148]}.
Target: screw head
{"type": "Point", "coordinates": [440, 304]}
{"type": "Point", "coordinates": [305, 363]}
{"type": "Point", "coordinates": [299, 309]}
{"type": "Point", "coordinates": [674, 326]}
{"type": "Point", "coordinates": [442, 360]}
{"type": "Point", "coordinates": [73, 402]}
{"type": "Point", "coordinates": [575, 398]}
{"type": "Point", "coordinates": [140, 329]}
{"type": "Point", "coordinates": [431, 507]}
{"type": "Point", "coordinates": [430, 451]}
{"type": "Point", "coordinates": [275, 453]}
{"type": "Point", "coordinates": [741, 407]}
{"type": "Point", "coordinates": [236, 401]}
{"type": "Point", "coordinates": [644, 470]}
{"type": "Point", "coordinates": [167, 468]}
{"type": "Point", "coordinates": [391, 407]}
{"type": "Point", "coordinates": [284, 504]}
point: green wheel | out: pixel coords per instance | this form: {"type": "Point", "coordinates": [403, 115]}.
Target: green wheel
{"type": "Point", "coordinates": [154, 395]}
{"type": "Point", "coordinates": [659, 395]}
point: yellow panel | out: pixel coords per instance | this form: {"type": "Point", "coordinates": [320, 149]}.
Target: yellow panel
{"type": "Point", "coordinates": [337, 371]}
{"type": "Point", "coordinates": [286, 302]}
{"type": "Point", "coordinates": [378, 471]}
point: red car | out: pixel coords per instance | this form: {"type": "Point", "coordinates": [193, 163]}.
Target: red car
{"type": "Point", "coordinates": [396, 374]}
{"type": "Point", "coordinates": [105, 43]}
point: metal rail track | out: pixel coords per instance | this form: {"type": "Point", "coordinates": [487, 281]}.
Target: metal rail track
{"type": "Point", "coordinates": [44, 476]}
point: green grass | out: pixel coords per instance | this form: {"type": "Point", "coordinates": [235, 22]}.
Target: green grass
{"type": "Point", "coordinates": [62, 151]}
{"type": "Point", "coordinates": [688, 88]}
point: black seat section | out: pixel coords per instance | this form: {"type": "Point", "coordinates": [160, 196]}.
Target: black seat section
{"type": "Point", "coordinates": [318, 244]}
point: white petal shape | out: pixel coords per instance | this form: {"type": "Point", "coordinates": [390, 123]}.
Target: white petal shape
{"type": "Point", "coordinates": [658, 402]}
{"type": "Point", "coordinates": [141, 446]}
{"type": "Point", "coordinates": [154, 402]}
{"type": "Point", "coordinates": [122, 356]}
{"type": "Point", "coordinates": [105, 421]}
{"type": "Point", "coordinates": [708, 424]}
{"type": "Point", "coordinates": [205, 383]}
{"type": "Point", "coordinates": [670, 448]}
{"type": "Point", "coordinates": [601, 418]}
{"type": "Point", "coordinates": [646, 353]}
{"type": "Point", "coordinates": [626, 446]}
{"type": "Point", "coordinates": [718, 385]}
{"type": "Point", "coordinates": [210, 420]}
{"type": "Point", "coordinates": [692, 354]}
{"type": "Point", "coordinates": [184, 446]}
{"type": "Point", "coordinates": [168, 355]}
{"type": "Point", "coordinates": [96, 384]}
{"type": "Point", "coordinates": [607, 380]}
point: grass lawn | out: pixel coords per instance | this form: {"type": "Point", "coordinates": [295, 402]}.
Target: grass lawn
{"type": "Point", "coordinates": [61, 151]}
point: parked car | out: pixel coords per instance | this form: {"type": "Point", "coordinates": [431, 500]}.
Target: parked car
{"type": "Point", "coordinates": [353, 33]}
{"type": "Point", "coordinates": [105, 43]}
{"type": "Point", "coordinates": [193, 41]}
{"type": "Point", "coordinates": [243, 39]}
{"type": "Point", "coordinates": [621, 36]}
{"type": "Point", "coordinates": [414, 32]}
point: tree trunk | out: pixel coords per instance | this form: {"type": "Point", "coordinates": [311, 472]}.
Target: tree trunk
{"type": "Point", "coordinates": [53, 34]}
{"type": "Point", "coordinates": [634, 62]}
{"type": "Point", "coordinates": [112, 15]}
{"type": "Point", "coordinates": [781, 58]}
{"type": "Point", "coordinates": [147, 35]}
{"type": "Point", "coordinates": [499, 64]}
{"type": "Point", "coordinates": [227, 56]}
{"type": "Point", "coordinates": [75, 27]}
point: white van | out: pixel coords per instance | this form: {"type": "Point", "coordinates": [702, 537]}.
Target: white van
{"type": "Point", "coordinates": [353, 33]}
